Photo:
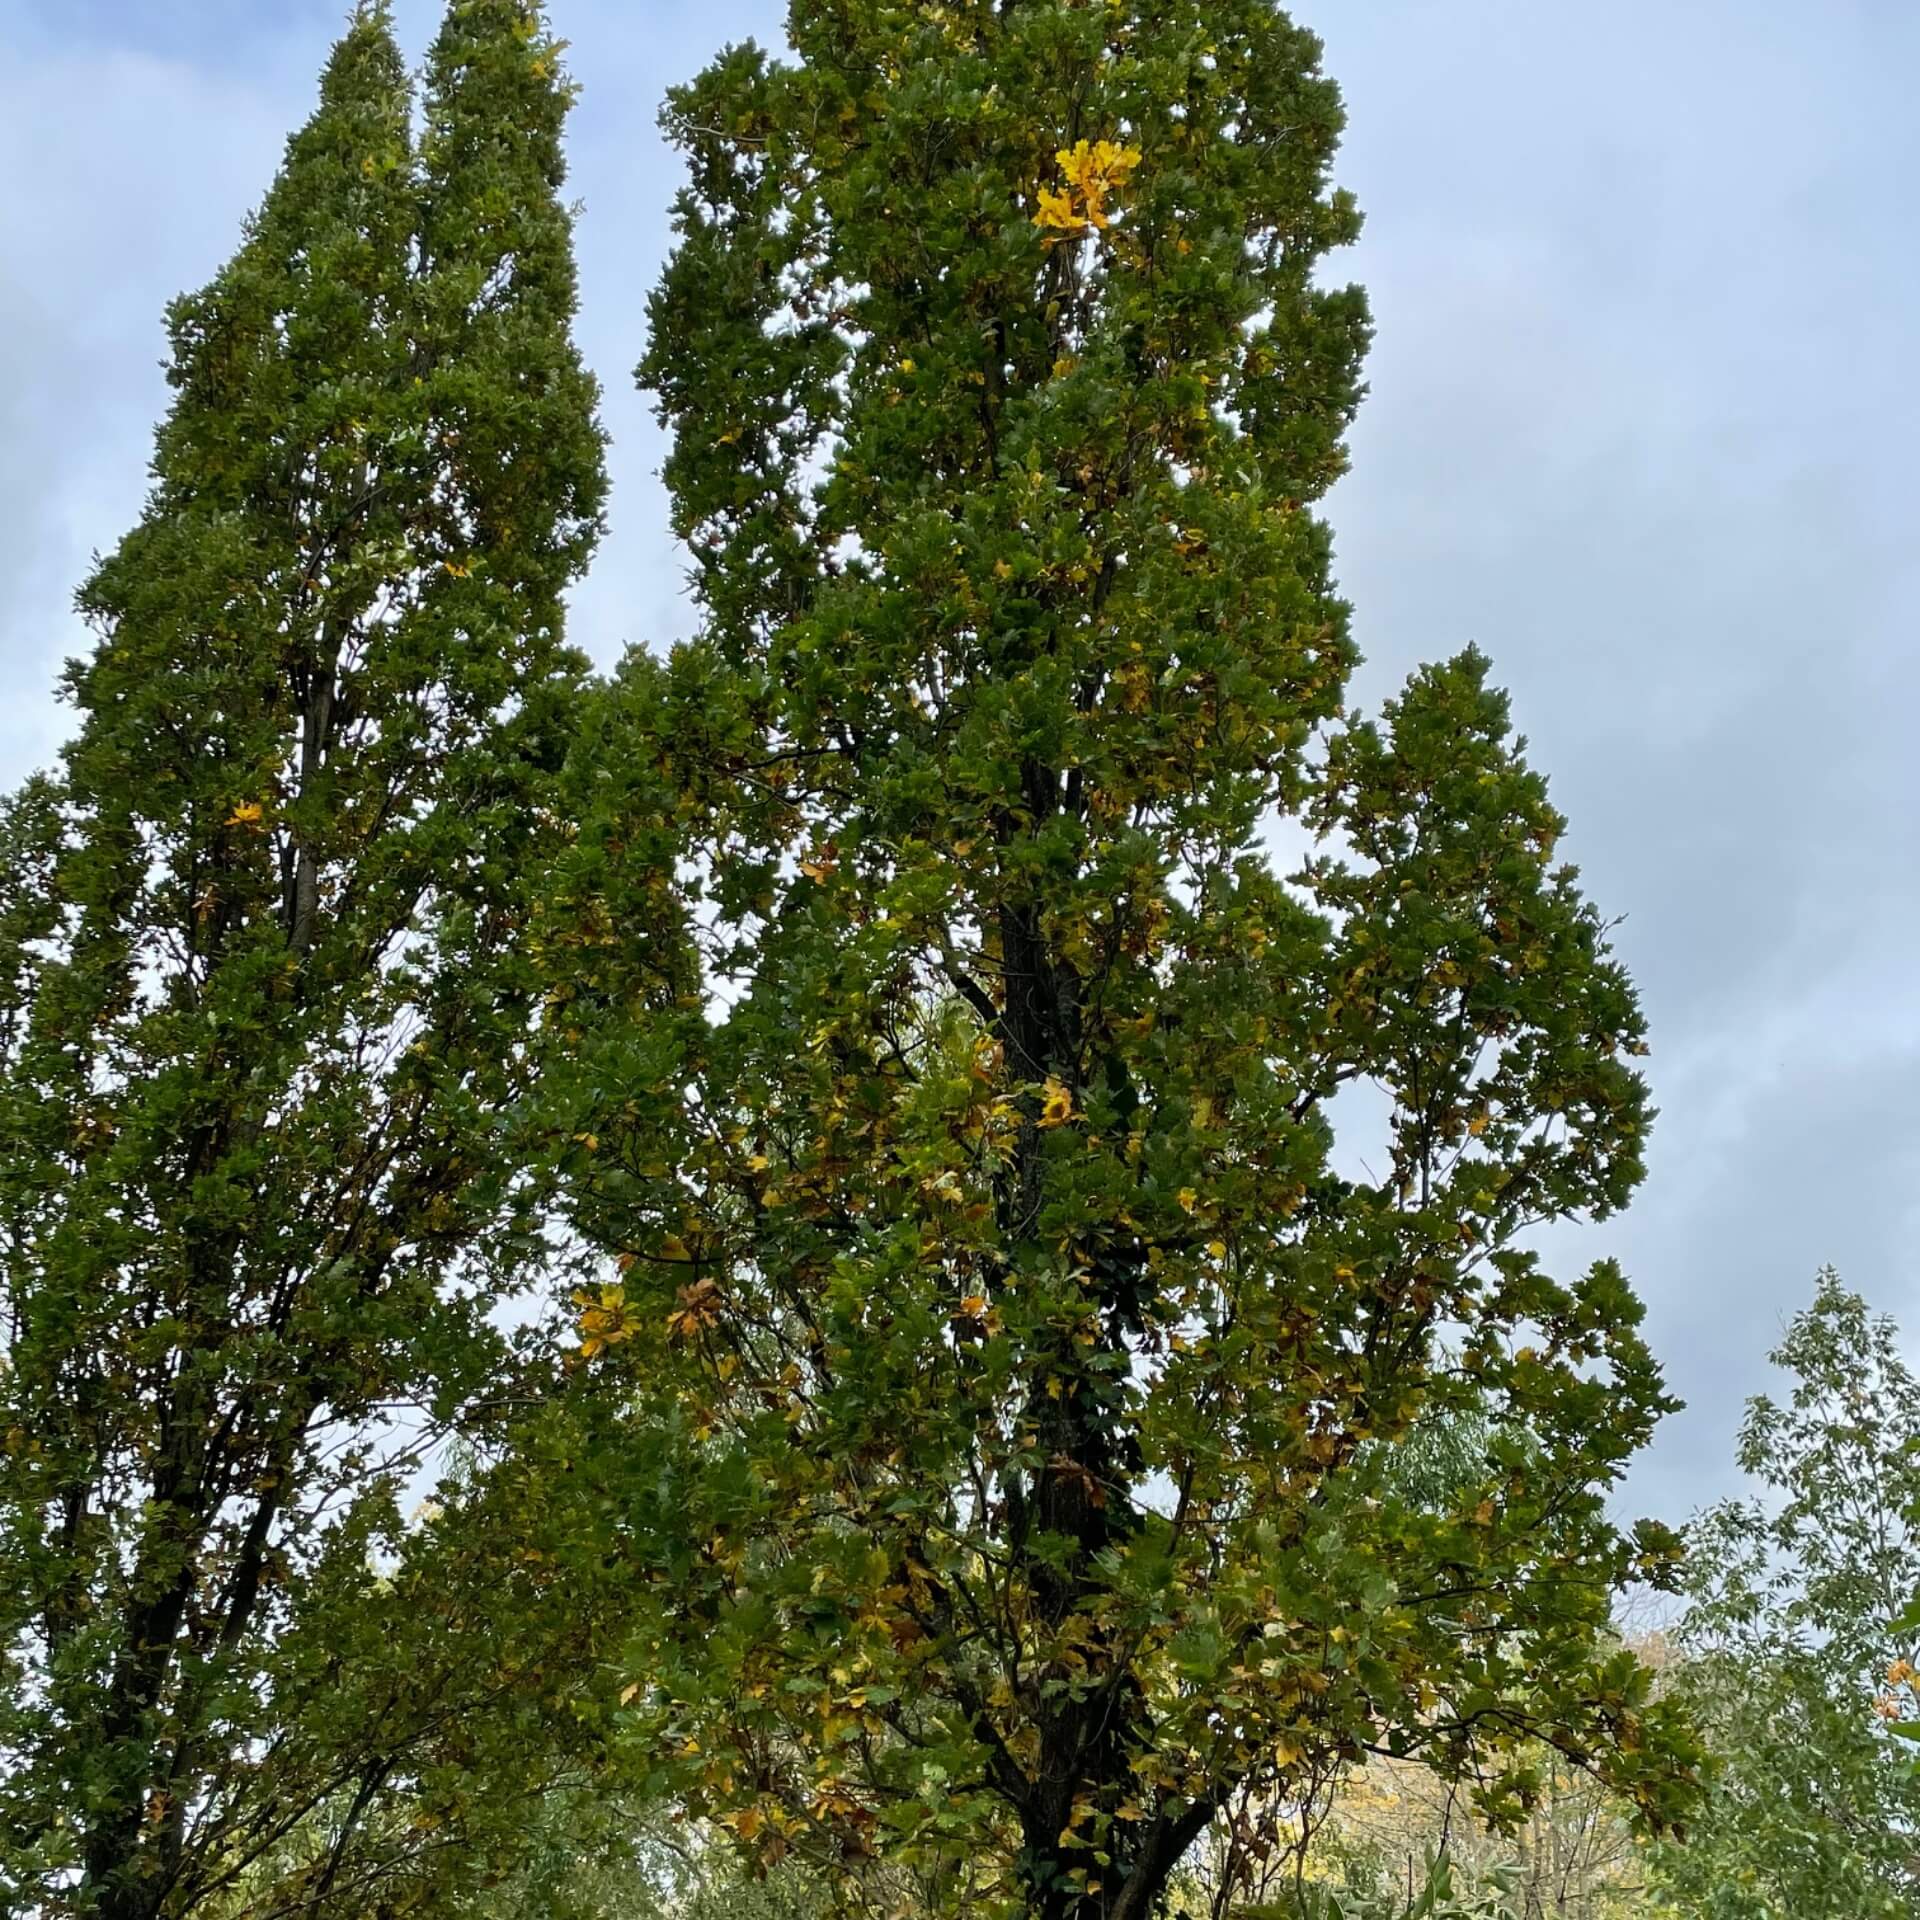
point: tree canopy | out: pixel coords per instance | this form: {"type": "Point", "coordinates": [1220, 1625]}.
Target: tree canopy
{"type": "Point", "coordinates": [263, 1008]}
{"type": "Point", "coordinates": [948, 1172]}
{"type": "Point", "coordinates": [1801, 1635]}
{"type": "Point", "coordinates": [1019, 1350]}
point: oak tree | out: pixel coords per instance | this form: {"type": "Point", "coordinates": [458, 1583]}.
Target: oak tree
{"type": "Point", "coordinates": [1019, 1352]}
{"type": "Point", "coordinates": [263, 1008]}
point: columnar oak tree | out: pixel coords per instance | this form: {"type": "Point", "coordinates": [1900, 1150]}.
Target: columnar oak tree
{"type": "Point", "coordinates": [1022, 1364]}
{"type": "Point", "coordinates": [263, 1006]}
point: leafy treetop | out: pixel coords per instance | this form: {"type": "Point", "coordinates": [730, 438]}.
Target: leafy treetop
{"type": "Point", "coordinates": [1022, 1378]}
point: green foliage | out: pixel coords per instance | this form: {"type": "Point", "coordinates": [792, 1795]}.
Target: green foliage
{"type": "Point", "coordinates": [1018, 1379]}
{"type": "Point", "coordinates": [1795, 1646]}
{"type": "Point", "coordinates": [262, 1002]}
{"type": "Point", "coordinates": [1438, 1897]}
{"type": "Point", "coordinates": [1005, 1444]}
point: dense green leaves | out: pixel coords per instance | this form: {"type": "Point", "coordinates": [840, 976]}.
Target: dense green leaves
{"type": "Point", "coordinates": [261, 992]}
{"type": "Point", "coordinates": [1018, 1381]}
{"type": "Point", "coordinates": [1010, 1423]}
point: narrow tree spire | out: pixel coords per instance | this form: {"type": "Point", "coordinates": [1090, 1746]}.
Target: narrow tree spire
{"type": "Point", "coordinates": [257, 1051]}
{"type": "Point", "coordinates": [217, 609]}
{"type": "Point", "coordinates": [499, 281]}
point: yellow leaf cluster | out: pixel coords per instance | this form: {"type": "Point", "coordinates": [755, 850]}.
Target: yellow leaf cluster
{"type": "Point", "coordinates": [1092, 174]}
{"type": "Point", "coordinates": [1056, 1106]}
{"type": "Point", "coordinates": [699, 1308]}
{"type": "Point", "coordinates": [603, 1319]}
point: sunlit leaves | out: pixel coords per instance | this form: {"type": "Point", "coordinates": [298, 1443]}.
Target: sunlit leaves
{"type": "Point", "coordinates": [1092, 175]}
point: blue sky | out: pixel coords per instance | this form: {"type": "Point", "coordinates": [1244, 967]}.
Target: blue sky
{"type": "Point", "coordinates": [1643, 408]}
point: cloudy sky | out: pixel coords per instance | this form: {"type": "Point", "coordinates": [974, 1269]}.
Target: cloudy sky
{"type": "Point", "coordinates": [1643, 417]}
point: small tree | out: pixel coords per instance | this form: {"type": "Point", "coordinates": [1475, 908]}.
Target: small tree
{"type": "Point", "coordinates": [263, 1007]}
{"type": "Point", "coordinates": [1799, 1659]}
{"type": "Point", "coordinates": [440, 1747]}
{"type": "Point", "coordinates": [1021, 1372]}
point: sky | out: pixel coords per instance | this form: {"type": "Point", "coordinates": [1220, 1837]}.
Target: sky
{"type": "Point", "coordinates": [1643, 408]}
